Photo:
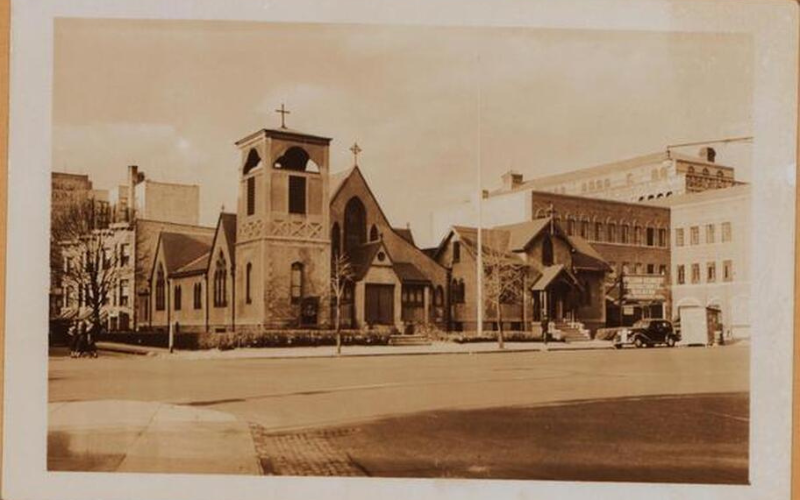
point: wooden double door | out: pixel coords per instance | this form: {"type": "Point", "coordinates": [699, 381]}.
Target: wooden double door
{"type": "Point", "coordinates": [379, 304]}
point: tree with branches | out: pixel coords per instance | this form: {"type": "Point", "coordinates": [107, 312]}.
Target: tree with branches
{"type": "Point", "coordinates": [84, 258]}
{"type": "Point", "coordinates": [342, 274]}
{"type": "Point", "coordinates": [503, 284]}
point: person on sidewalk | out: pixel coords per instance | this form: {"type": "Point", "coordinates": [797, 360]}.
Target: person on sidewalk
{"type": "Point", "coordinates": [73, 339]}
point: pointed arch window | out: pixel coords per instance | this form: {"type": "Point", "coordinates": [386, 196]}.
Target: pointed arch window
{"type": "Point", "coordinates": [160, 295]}
{"type": "Point", "coordinates": [198, 295]}
{"type": "Point", "coordinates": [251, 195]}
{"type": "Point", "coordinates": [221, 282]}
{"type": "Point", "coordinates": [355, 225]}
{"type": "Point", "coordinates": [248, 283]}
{"type": "Point", "coordinates": [253, 160]}
{"type": "Point", "coordinates": [373, 233]}
{"type": "Point", "coordinates": [547, 251]}
{"type": "Point", "coordinates": [178, 298]}
{"type": "Point", "coordinates": [336, 240]}
{"type": "Point", "coordinates": [297, 282]}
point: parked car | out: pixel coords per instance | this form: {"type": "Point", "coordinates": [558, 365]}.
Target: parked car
{"type": "Point", "coordinates": [647, 332]}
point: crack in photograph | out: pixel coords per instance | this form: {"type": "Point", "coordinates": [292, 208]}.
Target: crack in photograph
{"type": "Point", "coordinates": [406, 251]}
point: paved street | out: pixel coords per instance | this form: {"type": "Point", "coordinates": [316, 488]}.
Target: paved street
{"type": "Point", "coordinates": [298, 396]}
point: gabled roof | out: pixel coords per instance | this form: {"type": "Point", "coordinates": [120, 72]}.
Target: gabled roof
{"type": "Point", "coordinates": [409, 273]}
{"type": "Point", "coordinates": [228, 223]}
{"type": "Point", "coordinates": [585, 256]}
{"type": "Point", "coordinates": [361, 258]}
{"type": "Point", "coordinates": [514, 238]}
{"type": "Point", "coordinates": [494, 241]}
{"type": "Point", "coordinates": [336, 181]}
{"type": "Point", "coordinates": [405, 233]}
{"type": "Point", "coordinates": [197, 266]}
{"type": "Point", "coordinates": [181, 249]}
{"type": "Point", "coordinates": [551, 273]}
{"type": "Point", "coordinates": [523, 233]}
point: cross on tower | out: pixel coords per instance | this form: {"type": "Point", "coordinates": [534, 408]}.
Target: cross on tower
{"type": "Point", "coordinates": [283, 113]}
{"type": "Point", "coordinates": [355, 149]}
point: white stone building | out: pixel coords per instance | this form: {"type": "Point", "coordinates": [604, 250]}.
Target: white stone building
{"type": "Point", "coordinates": [711, 254]}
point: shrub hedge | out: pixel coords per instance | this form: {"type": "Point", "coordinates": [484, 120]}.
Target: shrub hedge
{"type": "Point", "coordinates": [231, 340]}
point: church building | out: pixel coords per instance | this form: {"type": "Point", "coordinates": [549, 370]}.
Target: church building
{"type": "Point", "coordinates": [268, 266]}
{"type": "Point", "coordinates": [557, 278]}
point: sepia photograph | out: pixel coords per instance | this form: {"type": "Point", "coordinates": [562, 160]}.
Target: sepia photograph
{"type": "Point", "coordinates": [396, 250]}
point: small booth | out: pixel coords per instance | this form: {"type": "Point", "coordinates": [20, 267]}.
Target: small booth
{"type": "Point", "coordinates": [699, 325]}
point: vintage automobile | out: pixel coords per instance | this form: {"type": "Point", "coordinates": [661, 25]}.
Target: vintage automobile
{"type": "Point", "coordinates": [647, 332]}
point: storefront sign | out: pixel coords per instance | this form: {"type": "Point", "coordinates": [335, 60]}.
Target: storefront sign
{"type": "Point", "coordinates": [645, 287]}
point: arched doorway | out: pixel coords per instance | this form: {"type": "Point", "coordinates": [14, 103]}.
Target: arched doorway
{"type": "Point", "coordinates": [355, 225]}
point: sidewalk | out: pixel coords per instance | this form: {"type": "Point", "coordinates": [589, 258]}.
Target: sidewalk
{"type": "Point", "coordinates": [133, 436]}
{"type": "Point", "coordinates": [348, 351]}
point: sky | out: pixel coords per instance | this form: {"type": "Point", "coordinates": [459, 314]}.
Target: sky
{"type": "Point", "coordinates": [429, 106]}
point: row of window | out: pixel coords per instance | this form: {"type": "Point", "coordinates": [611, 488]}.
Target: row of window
{"type": "Point", "coordinates": [600, 184]}
{"type": "Point", "coordinates": [220, 284]}
{"type": "Point", "coordinates": [600, 232]}
{"type": "Point", "coordinates": [639, 268]}
{"type": "Point", "coordinates": [719, 173]}
{"type": "Point", "coordinates": [710, 274]}
{"type": "Point", "coordinates": [121, 254]}
{"type": "Point", "coordinates": [710, 231]}
{"type": "Point", "coordinates": [655, 196]}
{"type": "Point", "coordinates": [595, 185]}
{"type": "Point", "coordinates": [118, 296]}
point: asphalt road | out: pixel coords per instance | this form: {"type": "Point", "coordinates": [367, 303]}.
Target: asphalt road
{"type": "Point", "coordinates": [297, 394]}
{"type": "Point", "coordinates": [676, 439]}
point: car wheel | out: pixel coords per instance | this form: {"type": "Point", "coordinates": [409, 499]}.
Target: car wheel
{"type": "Point", "coordinates": [670, 341]}
{"type": "Point", "coordinates": [617, 346]}
{"type": "Point", "coordinates": [638, 342]}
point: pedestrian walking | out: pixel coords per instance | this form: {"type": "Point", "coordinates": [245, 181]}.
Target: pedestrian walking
{"type": "Point", "coordinates": [73, 340]}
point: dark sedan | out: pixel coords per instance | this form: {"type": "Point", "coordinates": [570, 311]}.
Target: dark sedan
{"type": "Point", "coordinates": [647, 332]}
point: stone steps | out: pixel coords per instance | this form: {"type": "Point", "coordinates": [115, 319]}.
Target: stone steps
{"type": "Point", "coordinates": [572, 333]}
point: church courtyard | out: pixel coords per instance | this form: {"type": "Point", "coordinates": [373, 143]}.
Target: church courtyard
{"type": "Point", "coordinates": [666, 415]}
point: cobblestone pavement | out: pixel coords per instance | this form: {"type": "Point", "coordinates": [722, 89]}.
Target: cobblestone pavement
{"type": "Point", "coordinates": [303, 453]}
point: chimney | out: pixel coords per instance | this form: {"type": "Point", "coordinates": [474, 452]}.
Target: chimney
{"type": "Point", "coordinates": [133, 179]}
{"type": "Point", "coordinates": [708, 154]}
{"type": "Point", "coordinates": [511, 180]}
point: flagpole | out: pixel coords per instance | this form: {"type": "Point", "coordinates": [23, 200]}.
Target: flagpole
{"type": "Point", "coordinates": [480, 207]}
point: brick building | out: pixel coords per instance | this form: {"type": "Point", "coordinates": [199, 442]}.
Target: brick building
{"type": "Point", "coordinates": [561, 277]}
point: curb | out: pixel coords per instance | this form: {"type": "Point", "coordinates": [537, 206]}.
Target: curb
{"type": "Point", "coordinates": [377, 354]}
{"type": "Point", "coordinates": [131, 349]}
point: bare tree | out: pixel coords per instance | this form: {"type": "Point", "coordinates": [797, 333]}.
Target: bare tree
{"type": "Point", "coordinates": [83, 257]}
{"type": "Point", "coordinates": [503, 284]}
{"type": "Point", "coordinates": [342, 274]}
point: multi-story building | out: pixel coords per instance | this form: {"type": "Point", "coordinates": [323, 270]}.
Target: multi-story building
{"type": "Point", "coordinates": [710, 255]}
{"type": "Point", "coordinates": [633, 238]}
{"type": "Point", "coordinates": [649, 177]}
{"type": "Point", "coordinates": [98, 269]}
{"type": "Point", "coordinates": [152, 200]}
{"type": "Point", "coordinates": [131, 236]}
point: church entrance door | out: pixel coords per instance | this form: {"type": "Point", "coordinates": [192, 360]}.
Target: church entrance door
{"type": "Point", "coordinates": [379, 305]}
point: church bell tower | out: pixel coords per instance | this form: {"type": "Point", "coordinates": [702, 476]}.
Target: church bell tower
{"type": "Point", "coordinates": [282, 230]}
